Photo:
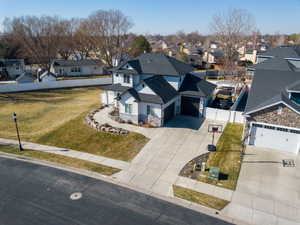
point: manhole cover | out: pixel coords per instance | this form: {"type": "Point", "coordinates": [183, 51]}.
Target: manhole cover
{"type": "Point", "coordinates": [75, 196]}
{"type": "Point", "coordinates": [288, 163]}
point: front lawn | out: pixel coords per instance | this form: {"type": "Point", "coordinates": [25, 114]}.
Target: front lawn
{"type": "Point", "coordinates": [199, 198]}
{"type": "Point", "coordinates": [40, 112]}
{"type": "Point", "coordinates": [60, 159]}
{"type": "Point", "coordinates": [227, 157]}
{"type": "Point", "coordinates": [56, 117]}
{"type": "Point", "coordinates": [75, 134]}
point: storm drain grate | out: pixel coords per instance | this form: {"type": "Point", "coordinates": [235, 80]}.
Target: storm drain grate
{"type": "Point", "coordinates": [288, 163]}
{"type": "Point", "coordinates": [75, 196]}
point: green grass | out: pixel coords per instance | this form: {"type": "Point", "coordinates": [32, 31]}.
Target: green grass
{"type": "Point", "coordinates": [64, 160]}
{"type": "Point", "coordinates": [227, 157]}
{"type": "Point", "coordinates": [75, 134]}
{"type": "Point", "coordinates": [199, 198]}
{"type": "Point", "coordinates": [56, 118]}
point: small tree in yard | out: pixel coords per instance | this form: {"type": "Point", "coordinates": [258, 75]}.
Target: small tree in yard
{"type": "Point", "coordinates": [140, 45]}
{"type": "Point", "coordinates": [230, 29]}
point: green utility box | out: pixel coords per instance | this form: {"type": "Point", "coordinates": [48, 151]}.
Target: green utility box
{"type": "Point", "coordinates": [214, 173]}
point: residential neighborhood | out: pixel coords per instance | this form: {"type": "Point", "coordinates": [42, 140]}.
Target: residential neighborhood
{"type": "Point", "coordinates": [109, 117]}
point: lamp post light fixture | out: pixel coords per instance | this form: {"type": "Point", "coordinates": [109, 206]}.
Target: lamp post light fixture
{"type": "Point", "coordinates": [17, 129]}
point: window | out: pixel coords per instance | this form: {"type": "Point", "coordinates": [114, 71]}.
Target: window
{"type": "Point", "coordinates": [150, 111]}
{"type": "Point", "coordinates": [128, 108]}
{"type": "Point", "coordinates": [17, 68]}
{"type": "Point", "coordinates": [126, 79]}
{"type": "Point", "coordinates": [75, 69]}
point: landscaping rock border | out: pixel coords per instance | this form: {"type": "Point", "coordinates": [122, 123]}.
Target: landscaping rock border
{"type": "Point", "coordinates": [89, 119]}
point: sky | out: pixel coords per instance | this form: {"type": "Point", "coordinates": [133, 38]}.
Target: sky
{"type": "Point", "coordinates": [166, 16]}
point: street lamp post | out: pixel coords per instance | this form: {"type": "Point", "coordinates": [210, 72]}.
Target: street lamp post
{"type": "Point", "coordinates": [15, 119]}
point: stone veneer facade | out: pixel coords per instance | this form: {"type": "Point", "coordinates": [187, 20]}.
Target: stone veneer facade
{"type": "Point", "coordinates": [287, 117]}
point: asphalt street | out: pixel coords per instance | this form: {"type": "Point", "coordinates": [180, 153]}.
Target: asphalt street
{"type": "Point", "coordinates": [32, 194]}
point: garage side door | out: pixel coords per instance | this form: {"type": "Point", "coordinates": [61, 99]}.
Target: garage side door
{"type": "Point", "coordinates": [277, 138]}
{"type": "Point", "coordinates": [169, 112]}
{"type": "Point", "coordinates": [190, 106]}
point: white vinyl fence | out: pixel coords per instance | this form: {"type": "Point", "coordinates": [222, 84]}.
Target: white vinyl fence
{"type": "Point", "coordinates": [224, 115]}
{"type": "Point", "coordinates": [7, 88]}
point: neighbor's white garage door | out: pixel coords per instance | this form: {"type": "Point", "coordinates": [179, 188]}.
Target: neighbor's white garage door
{"type": "Point", "coordinates": [282, 139]}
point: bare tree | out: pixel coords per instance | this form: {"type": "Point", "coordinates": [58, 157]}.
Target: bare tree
{"type": "Point", "coordinates": [107, 32]}
{"type": "Point", "coordinates": [230, 29]}
{"type": "Point", "coordinates": [38, 37]}
{"type": "Point", "coordinates": [66, 45]}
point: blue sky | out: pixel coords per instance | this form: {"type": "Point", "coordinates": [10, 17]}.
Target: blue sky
{"type": "Point", "coordinates": [166, 16]}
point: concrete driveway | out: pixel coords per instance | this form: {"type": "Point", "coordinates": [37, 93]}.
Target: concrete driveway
{"type": "Point", "coordinates": [157, 166]}
{"type": "Point", "coordinates": [267, 192]}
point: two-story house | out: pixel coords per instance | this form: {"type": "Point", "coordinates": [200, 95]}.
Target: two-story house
{"type": "Point", "coordinates": [152, 88]}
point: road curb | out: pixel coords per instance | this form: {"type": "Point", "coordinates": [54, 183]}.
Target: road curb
{"type": "Point", "coordinates": [109, 179]}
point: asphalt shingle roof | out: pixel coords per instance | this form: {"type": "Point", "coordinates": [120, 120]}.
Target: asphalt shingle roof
{"type": "Point", "coordinates": [83, 62]}
{"type": "Point", "coordinates": [161, 88]}
{"type": "Point", "coordinates": [164, 92]}
{"type": "Point", "coordinates": [269, 87]}
{"type": "Point", "coordinates": [283, 52]}
{"type": "Point", "coordinates": [158, 64]}
{"type": "Point", "coordinates": [195, 86]}
{"type": "Point", "coordinates": [279, 64]}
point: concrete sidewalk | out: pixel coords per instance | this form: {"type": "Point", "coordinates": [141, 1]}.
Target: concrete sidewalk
{"type": "Point", "coordinates": [70, 153]}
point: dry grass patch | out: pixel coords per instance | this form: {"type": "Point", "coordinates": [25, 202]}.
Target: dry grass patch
{"type": "Point", "coordinates": [227, 157]}
{"type": "Point", "coordinates": [199, 198]}
{"type": "Point", "coordinates": [43, 111]}
{"type": "Point", "coordinates": [64, 160]}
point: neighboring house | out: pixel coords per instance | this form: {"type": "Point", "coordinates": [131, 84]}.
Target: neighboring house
{"type": "Point", "coordinates": [213, 57]}
{"type": "Point", "coordinates": [273, 107]}
{"type": "Point", "coordinates": [154, 87]}
{"type": "Point", "coordinates": [292, 53]}
{"type": "Point", "coordinates": [84, 67]}
{"type": "Point", "coordinates": [47, 77]}
{"type": "Point", "coordinates": [279, 58]}
{"type": "Point", "coordinates": [26, 77]}
{"type": "Point", "coordinates": [13, 67]}
{"type": "Point", "coordinates": [250, 55]}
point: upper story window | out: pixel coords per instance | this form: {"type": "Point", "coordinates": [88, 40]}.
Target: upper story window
{"type": "Point", "coordinates": [126, 79]}
{"type": "Point", "coordinates": [295, 97]}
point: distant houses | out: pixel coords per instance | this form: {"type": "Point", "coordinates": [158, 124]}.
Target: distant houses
{"type": "Point", "coordinates": [72, 68]}
{"type": "Point", "coordinates": [11, 68]}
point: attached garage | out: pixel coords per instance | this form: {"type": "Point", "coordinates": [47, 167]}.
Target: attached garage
{"type": "Point", "coordinates": [169, 112]}
{"type": "Point", "coordinates": [190, 106]}
{"type": "Point", "coordinates": [280, 138]}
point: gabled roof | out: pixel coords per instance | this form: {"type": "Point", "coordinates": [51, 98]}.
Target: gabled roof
{"type": "Point", "coordinates": [115, 87]}
{"type": "Point", "coordinates": [195, 86]}
{"type": "Point", "coordinates": [26, 78]}
{"type": "Point", "coordinates": [269, 88]}
{"type": "Point", "coordinates": [164, 92]}
{"type": "Point", "coordinates": [161, 87]}
{"type": "Point", "coordinates": [294, 87]}
{"type": "Point", "coordinates": [83, 62]}
{"type": "Point", "coordinates": [47, 73]}
{"type": "Point", "coordinates": [157, 64]}
{"type": "Point", "coordinates": [283, 52]}
{"type": "Point", "coordinates": [279, 64]}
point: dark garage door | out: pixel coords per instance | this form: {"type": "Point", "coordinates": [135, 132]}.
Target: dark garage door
{"type": "Point", "coordinates": [169, 112]}
{"type": "Point", "coordinates": [190, 106]}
